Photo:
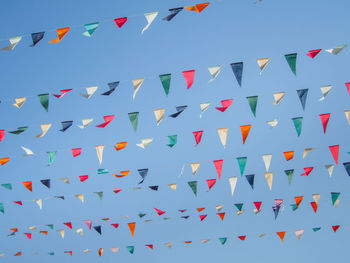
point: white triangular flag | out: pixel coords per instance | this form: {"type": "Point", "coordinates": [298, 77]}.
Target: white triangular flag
{"type": "Point", "coordinates": [32, 227]}
{"type": "Point", "coordinates": [307, 150]}
{"type": "Point", "coordinates": [272, 123]}
{"type": "Point", "coordinates": [28, 152]}
{"type": "Point", "coordinates": [195, 167]}
{"type": "Point", "coordinates": [80, 196]}
{"type": "Point", "coordinates": [89, 92]}
{"type": "Point", "coordinates": [150, 17]}
{"type": "Point", "coordinates": [336, 50]}
{"type": "Point", "coordinates": [86, 250]}
{"type": "Point", "coordinates": [44, 129]}
{"type": "Point", "coordinates": [278, 96]}
{"type": "Point", "coordinates": [168, 244]}
{"type": "Point", "coordinates": [80, 231]}
{"type": "Point", "coordinates": [223, 135]}
{"type": "Point", "coordinates": [219, 207]}
{"type": "Point", "coordinates": [269, 179]}
{"type": "Point", "coordinates": [13, 43]}
{"type": "Point", "coordinates": [299, 233]}
{"type": "Point", "coordinates": [19, 102]}
{"type": "Point", "coordinates": [316, 198]}
{"type": "Point", "coordinates": [325, 90]}
{"type": "Point", "coordinates": [65, 179]}
{"type": "Point", "coordinates": [85, 122]}
{"type": "Point", "coordinates": [329, 168]}
{"type": "Point", "coordinates": [347, 115]}
{"type": "Point", "coordinates": [204, 107]}
{"type": "Point", "coordinates": [262, 62]}
{"type": "Point", "coordinates": [39, 202]}
{"type": "Point", "coordinates": [137, 84]}
{"type": "Point", "coordinates": [159, 114]}
{"type": "Point", "coordinates": [233, 182]}
{"type": "Point", "coordinates": [214, 72]}
{"type": "Point", "coordinates": [267, 160]}
{"type": "Point", "coordinates": [99, 151]}
{"type": "Point", "coordinates": [144, 143]}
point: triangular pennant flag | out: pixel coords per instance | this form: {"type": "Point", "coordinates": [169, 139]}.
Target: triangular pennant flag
{"type": "Point", "coordinates": [80, 231]}
{"type": "Point", "coordinates": [150, 246]}
{"type": "Point", "coordinates": [144, 143]}
{"type": "Point", "coordinates": [44, 100]}
{"type": "Point", "coordinates": [18, 202]}
{"type": "Point", "coordinates": [313, 53]}
{"type": "Point", "coordinates": [202, 217]}
{"type": "Point", "coordinates": [39, 202]}
{"type": "Point", "coordinates": [315, 229]}
{"type": "Point", "coordinates": [85, 122]}
{"type": "Point", "coordinates": [13, 43]}
{"type": "Point", "coordinates": [347, 167]}
{"type": "Point", "coordinates": [107, 120]}
{"type": "Point", "coordinates": [102, 171]}
{"type": "Point", "coordinates": [292, 61]}
{"type": "Point", "coordinates": [61, 32]}
{"type": "Point", "coordinates": [336, 50]}
{"type": "Point", "coordinates": [307, 170]}
{"type": "Point", "coordinates": [63, 92]}
{"type": "Point", "coordinates": [100, 195]}
{"type": "Point", "coordinates": [267, 161]}
{"type": "Point", "coordinates": [61, 232]}
{"type": "Point", "coordinates": [133, 117]}
{"type": "Point", "coordinates": [4, 160]}
{"type": "Point", "coordinates": [347, 115]}
{"type": "Point", "coordinates": [257, 206]}
{"type": "Point", "coordinates": [88, 223]}
{"type": "Point", "coordinates": [325, 90]}
{"type": "Point", "coordinates": [68, 224]}
{"type": "Point", "coordinates": [19, 102]}
{"type": "Point", "coordinates": [250, 179]}
{"type": "Point", "coordinates": [28, 185]}
{"type": "Point", "coordinates": [298, 124]}
{"type": "Point", "coordinates": [173, 13]}
{"type": "Point", "coordinates": [335, 152]}
{"type": "Point", "coordinates": [165, 80]}
{"type": "Point", "coordinates": [143, 173]}
{"type": "Point", "coordinates": [29, 235]}
{"type": "Point", "coordinates": [211, 183]}
{"type": "Point", "coordinates": [298, 200]}
{"type": "Point", "coordinates": [218, 166]}
{"type": "Point", "coordinates": [52, 156]}
{"type": "Point", "coordinates": [302, 94]}
{"type": "Point", "coordinates": [195, 167]}
{"type": "Point", "coordinates": [89, 92]}
{"type": "Point", "coordinates": [112, 86]}
{"type": "Point", "coordinates": [154, 187]}
{"type": "Point", "coordinates": [159, 212]}
{"type": "Point", "coordinates": [237, 69]}
{"type": "Point", "coordinates": [149, 17]}
{"type": "Point", "coordinates": [90, 28]}
{"type": "Point", "coordinates": [223, 135]}
{"type": "Point", "coordinates": [242, 237]}
{"type": "Point", "coordinates": [221, 215]}
{"type": "Point", "coordinates": [306, 151]}
{"type": "Point", "coordinates": [189, 77]}
{"type": "Point", "coordinates": [44, 129]}
{"type": "Point", "coordinates": [83, 178]}
{"type": "Point", "coordinates": [222, 240]}
{"type": "Point", "coordinates": [225, 105]}
{"type": "Point", "coordinates": [120, 21]}
{"type": "Point", "coordinates": [66, 125]}
{"type": "Point", "coordinates": [197, 136]}
{"type": "Point", "coordinates": [193, 185]}
{"type": "Point", "coordinates": [120, 145]}
{"type": "Point", "coordinates": [159, 114]}
{"type": "Point", "coordinates": [2, 135]}
{"type": "Point", "coordinates": [43, 232]}
{"type": "Point", "coordinates": [233, 182]}
{"type": "Point", "coordinates": [80, 196]}
{"type": "Point", "coordinates": [204, 107]}
{"type": "Point", "coordinates": [262, 62]}
{"type": "Point", "coordinates": [46, 182]}
{"type": "Point", "coordinates": [239, 206]}
{"type": "Point", "coordinates": [329, 168]}
{"type": "Point", "coordinates": [98, 229]}
{"type": "Point", "coordinates": [278, 96]}
{"type": "Point", "coordinates": [269, 179]}
{"type": "Point", "coordinates": [197, 8]}
{"type": "Point", "coordinates": [172, 186]}
{"type": "Point", "coordinates": [288, 155]}
{"type": "Point", "coordinates": [169, 244]}
{"type": "Point", "coordinates": [299, 233]}
{"type": "Point", "coordinates": [276, 210]}
{"type": "Point", "coordinates": [28, 152]}
{"type": "Point", "coordinates": [122, 174]}
{"type": "Point", "coordinates": [314, 206]}
{"type": "Point", "coordinates": [65, 179]}
{"type": "Point", "coordinates": [242, 161]}
{"type": "Point", "coordinates": [2, 208]}
{"type": "Point", "coordinates": [324, 119]}
{"type": "Point", "coordinates": [7, 186]}
{"type": "Point", "coordinates": [132, 228]}
{"type": "Point", "coordinates": [253, 101]}
{"type": "Point", "coordinates": [334, 197]}
{"type": "Point", "coordinates": [316, 198]}
{"type": "Point", "coordinates": [137, 84]}
{"type": "Point", "coordinates": [335, 228]}
{"type": "Point", "coordinates": [214, 72]}
{"type": "Point", "coordinates": [172, 140]}
{"type": "Point", "coordinates": [76, 152]}
{"type": "Point", "coordinates": [179, 110]}
{"type": "Point", "coordinates": [245, 131]}
{"type": "Point", "coordinates": [36, 37]}
{"type": "Point", "coordinates": [99, 151]}
{"type": "Point", "coordinates": [272, 123]}
{"type": "Point", "coordinates": [50, 226]}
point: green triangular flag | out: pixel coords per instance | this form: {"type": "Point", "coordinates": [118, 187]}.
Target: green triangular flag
{"type": "Point", "coordinates": [193, 185]}
{"type": "Point", "coordinates": [141, 215]}
{"type": "Point", "coordinates": [253, 101]}
{"type": "Point", "coordinates": [298, 123]}
{"type": "Point", "coordinates": [134, 116]}
{"type": "Point", "coordinates": [290, 174]}
{"type": "Point", "coordinates": [52, 253]}
{"type": "Point", "coordinates": [102, 171]}
{"type": "Point", "coordinates": [2, 209]}
{"type": "Point", "coordinates": [239, 206]}
{"type": "Point", "coordinates": [19, 130]}
{"type": "Point", "coordinates": [130, 249]}
{"type": "Point", "coordinates": [294, 207]}
{"type": "Point", "coordinates": [7, 186]}
{"type": "Point", "coordinates": [242, 162]}
{"type": "Point", "coordinates": [44, 100]}
{"type": "Point", "coordinates": [292, 62]}
{"type": "Point", "coordinates": [52, 156]}
{"type": "Point", "coordinates": [315, 229]}
{"type": "Point", "coordinates": [334, 197]}
{"type": "Point", "coordinates": [223, 240]}
{"type": "Point", "coordinates": [50, 226]}
{"type": "Point", "coordinates": [172, 140]}
{"type": "Point", "coordinates": [100, 194]}
{"type": "Point", "coordinates": [165, 79]}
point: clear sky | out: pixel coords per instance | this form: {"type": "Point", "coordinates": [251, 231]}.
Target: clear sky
{"type": "Point", "coordinates": [225, 32]}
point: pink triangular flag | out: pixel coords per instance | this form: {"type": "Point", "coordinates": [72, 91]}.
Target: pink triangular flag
{"type": "Point", "coordinates": [83, 178]}
{"type": "Point", "coordinates": [117, 190]}
{"type": "Point", "coordinates": [107, 120]}
{"type": "Point", "coordinates": [348, 86]}
{"type": "Point", "coordinates": [88, 223]}
{"type": "Point", "coordinates": [335, 152]}
{"type": "Point", "coordinates": [257, 205]}
{"type": "Point", "coordinates": [120, 21]}
{"type": "Point", "coordinates": [313, 53]}
{"type": "Point", "coordinates": [225, 104]}
{"type": "Point", "coordinates": [159, 212]}
{"type": "Point", "coordinates": [29, 235]}
{"type": "Point", "coordinates": [189, 77]}
{"type": "Point", "coordinates": [307, 171]}
{"type": "Point", "coordinates": [2, 135]}
{"type": "Point", "coordinates": [198, 136]}
{"type": "Point", "coordinates": [76, 152]}
{"type": "Point", "coordinates": [218, 166]}
{"type": "Point", "coordinates": [63, 91]}
{"type": "Point", "coordinates": [68, 224]}
{"type": "Point", "coordinates": [324, 119]}
{"type": "Point", "coordinates": [202, 217]}
{"type": "Point", "coordinates": [211, 183]}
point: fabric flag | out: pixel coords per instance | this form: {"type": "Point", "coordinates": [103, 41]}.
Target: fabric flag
{"type": "Point", "coordinates": [336, 50]}
{"type": "Point", "coordinates": [324, 119]}
{"type": "Point", "coordinates": [313, 53]}
{"type": "Point", "coordinates": [120, 145]}
{"type": "Point", "coordinates": [80, 231]}
{"type": "Point", "coordinates": [122, 174]}
{"type": "Point", "coordinates": [325, 90]}
{"type": "Point", "coordinates": [262, 62]}
{"type": "Point", "coordinates": [89, 92]}
{"type": "Point", "coordinates": [100, 195]}
{"type": "Point", "coordinates": [44, 100]}
{"type": "Point", "coordinates": [165, 80]}
{"type": "Point", "coordinates": [250, 179]}
{"type": "Point", "coordinates": [102, 171]}
{"type": "Point", "coordinates": [278, 96]}
{"type": "Point", "coordinates": [242, 237]}
{"type": "Point", "coordinates": [276, 210]}
{"type": "Point", "coordinates": [189, 77]}
{"type": "Point", "coordinates": [202, 217]}
{"type": "Point", "coordinates": [218, 166]}
{"type": "Point", "coordinates": [269, 179]}
{"type": "Point", "coordinates": [18, 202]}
{"type": "Point", "coordinates": [131, 249]}
{"type": "Point", "coordinates": [114, 249]}
{"type": "Point", "coordinates": [144, 143]}
{"type": "Point", "coordinates": [83, 178]}
{"type": "Point", "coordinates": [13, 43]}
{"type": "Point", "coordinates": [257, 207]}
{"type": "Point", "coordinates": [253, 101]}
{"type": "Point", "coordinates": [197, 136]}
{"type": "Point", "coordinates": [65, 179]}
{"type": "Point", "coordinates": [233, 182]}
{"type": "Point", "coordinates": [68, 224]}
{"type": "Point", "coordinates": [172, 140]}
{"type": "Point", "coordinates": [98, 229]}
{"type": "Point", "coordinates": [242, 161]}
{"type": "Point", "coordinates": [28, 185]}
{"type": "Point", "coordinates": [85, 122]}
{"type": "Point", "coordinates": [179, 110]}
{"type": "Point", "coordinates": [292, 61]}
{"type": "Point", "coordinates": [172, 186]}
{"type": "Point", "coordinates": [302, 94]}
{"type": "Point", "coordinates": [4, 160]}
{"type": "Point", "coordinates": [159, 212]}
{"type": "Point", "coordinates": [347, 115]}
{"type": "Point", "coordinates": [61, 32]}
{"type": "Point", "coordinates": [120, 21]}
{"type": "Point", "coordinates": [137, 84]}
{"type": "Point", "coordinates": [88, 223]}
{"type": "Point", "coordinates": [36, 37]}
{"type": "Point", "coordinates": [99, 151]}
{"type": "Point", "coordinates": [298, 200]}
{"type": "Point", "coordinates": [316, 198]}
{"type": "Point", "coordinates": [2, 135]}
{"type": "Point", "coordinates": [19, 130]}
{"type": "Point", "coordinates": [347, 167]}
{"type": "Point", "coordinates": [335, 228]}
{"type": "Point", "coordinates": [348, 86]}
{"type": "Point", "coordinates": [132, 228]}
{"type": "Point", "coordinates": [63, 92]}
{"type": "Point", "coordinates": [288, 155]}
{"type": "Point", "coordinates": [46, 182]}
{"type": "Point", "coordinates": [193, 185]}
{"type": "Point", "coordinates": [159, 114]}
{"type": "Point", "coordinates": [237, 69]}
{"type": "Point", "coordinates": [154, 187]}
{"type": "Point", "coordinates": [204, 107]}
{"type": "Point", "coordinates": [214, 72]}
{"type": "Point", "coordinates": [272, 123]}
{"type": "Point", "coordinates": [66, 125]}
{"type": "Point", "coordinates": [143, 173]}
{"type": "Point", "coordinates": [245, 131]}
{"type": "Point", "coordinates": [334, 197]}
{"type": "Point", "coordinates": [335, 152]}
{"type": "Point", "coordinates": [223, 135]}
{"type": "Point", "coordinates": [107, 120]}
{"type": "Point", "coordinates": [195, 167]}
{"type": "Point", "coordinates": [221, 215]}
{"type": "Point", "coordinates": [39, 202]}
{"type": "Point", "coordinates": [112, 86]}
{"type": "Point", "coordinates": [314, 206]}
{"type": "Point", "coordinates": [7, 186]}
{"type": "Point", "coordinates": [239, 206]}
{"type": "Point", "coordinates": [298, 124]}
{"type": "Point", "coordinates": [19, 102]}
{"type": "Point", "coordinates": [80, 196]}
{"type": "Point", "coordinates": [197, 8]}
{"type": "Point", "coordinates": [225, 105]}
{"type": "Point", "coordinates": [2, 208]}
{"type": "Point", "coordinates": [90, 29]}
{"type": "Point", "coordinates": [281, 235]}
{"type": "Point", "coordinates": [149, 17]}
{"type": "Point", "coordinates": [267, 161]}
{"type": "Point", "coordinates": [173, 13]}
{"type": "Point", "coordinates": [211, 183]}
{"type": "Point", "coordinates": [76, 152]}
{"type": "Point", "coordinates": [133, 117]}
{"type": "Point", "coordinates": [223, 240]}
{"type": "Point", "coordinates": [307, 170]}
{"type": "Point", "coordinates": [61, 232]}
{"type": "Point", "coordinates": [306, 151]}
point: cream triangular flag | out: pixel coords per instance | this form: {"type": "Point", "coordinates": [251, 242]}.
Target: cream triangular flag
{"type": "Point", "coordinates": [159, 114]}
{"type": "Point", "coordinates": [114, 249]}
{"type": "Point", "coordinates": [267, 161]}
{"type": "Point", "coordinates": [137, 84]}
{"type": "Point", "coordinates": [214, 72]}
{"type": "Point", "coordinates": [325, 90]}
{"type": "Point", "coordinates": [307, 150]}
{"type": "Point", "coordinates": [336, 203]}
{"type": "Point", "coordinates": [269, 179]}
{"type": "Point", "coordinates": [44, 129]}
{"type": "Point", "coordinates": [28, 152]}
{"type": "Point", "coordinates": [19, 102]}
{"type": "Point", "coordinates": [13, 43]}
{"type": "Point", "coordinates": [299, 233]}
{"type": "Point", "coordinates": [262, 62]}
{"type": "Point", "coordinates": [204, 107]}
{"type": "Point", "coordinates": [99, 151]}
{"type": "Point", "coordinates": [150, 17]}
{"type": "Point", "coordinates": [233, 182]}
{"type": "Point", "coordinates": [219, 207]}
{"type": "Point", "coordinates": [336, 50]}
{"type": "Point", "coordinates": [278, 96]}
{"type": "Point", "coordinates": [173, 186]}
{"type": "Point", "coordinates": [32, 227]}
{"type": "Point", "coordinates": [61, 231]}
{"type": "Point", "coordinates": [85, 122]}
{"type": "Point", "coordinates": [65, 179]}
{"type": "Point", "coordinates": [80, 231]}
{"type": "Point", "coordinates": [195, 167]}
{"type": "Point", "coordinates": [347, 115]}
{"type": "Point", "coordinates": [272, 123]}
{"type": "Point", "coordinates": [329, 168]}
{"type": "Point", "coordinates": [223, 135]}
{"type": "Point", "coordinates": [80, 196]}
{"type": "Point", "coordinates": [86, 250]}
{"type": "Point", "coordinates": [168, 244]}
{"type": "Point", "coordinates": [316, 198]}
{"type": "Point", "coordinates": [89, 92]}
{"type": "Point", "coordinates": [144, 143]}
{"type": "Point", "coordinates": [39, 202]}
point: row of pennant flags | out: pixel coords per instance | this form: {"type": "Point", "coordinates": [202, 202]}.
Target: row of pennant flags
{"type": "Point", "coordinates": [90, 28]}
{"type": "Point", "coordinates": [222, 240]}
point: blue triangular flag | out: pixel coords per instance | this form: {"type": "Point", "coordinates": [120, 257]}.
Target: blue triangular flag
{"type": "Point", "coordinates": [66, 125]}
{"type": "Point", "coordinates": [112, 86]}
{"type": "Point", "coordinates": [302, 93]}
{"type": "Point", "coordinates": [237, 69]}
{"type": "Point", "coordinates": [250, 179]}
{"type": "Point", "coordinates": [143, 174]}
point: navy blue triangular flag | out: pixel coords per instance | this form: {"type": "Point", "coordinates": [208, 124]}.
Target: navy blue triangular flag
{"type": "Point", "coordinates": [302, 93]}
{"type": "Point", "coordinates": [250, 179]}
{"type": "Point", "coordinates": [179, 109]}
{"type": "Point", "coordinates": [66, 125]}
{"type": "Point", "coordinates": [276, 209]}
{"type": "Point", "coordinates": [173, 13]}
{"type": "Point", "coordinates": [98, 229]}
{"type": "Point", "coordinates": [112, 86]}
{"type": "Point", "coordinates": [36, 37]}
{"type": "Point", "coordinates": [143, 173]}
{"type": "Point", "coordinates": [347, 167]}
{"type": "Point", "coordinates": [154, 187]}
{"type": "Point", "coordinates": [237, 69]}
{"type": "Point", "coordinates": [46, 182]}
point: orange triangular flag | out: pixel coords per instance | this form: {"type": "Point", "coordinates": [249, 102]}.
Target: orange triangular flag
{"type": "Point", "coordinates": [4, 160]}
{"type": "Point", "coordinates": [200, 209]}
{"type": "Point", "coordinates": [298, 200]}
{"type": "Point", "coordinates": [18, 254]}
{"type": "Point", "coordinates": [61, 32]}
{"type": "Point", "coordinates": [289, 155]}
{"type": "Point", "coordinates": [28, 185]}
{"type": "Point", "coordinates": [14, 229]}
{"type": "Point", "coordinates": [197, 8]}
{"type": "Point", "coordinates": [132, 228]}
{"type": "Point", "coordinates": [245, 131]}
{"type": "Point", "coordinates": [120, 145]}
{"type": "Point", "coordinates": [222, 215]}
{"type": "Point", "coordinates": [281, 235]}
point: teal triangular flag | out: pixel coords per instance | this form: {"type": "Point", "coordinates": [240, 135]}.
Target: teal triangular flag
{"type": "Point", "coordinates": [19, 130]}
{"type": "Point", "coordinates": [100, 194]}
{"type": "Point", "coordinates": [2, 209]}
{"type": "Point", "coordinates": [44, 100]}
{"type": "Point", "coordinates": [253, 101]}
{"type": "Point", "coordinates": [315, 229]}
{"type": "Point", "coordinates": [50, 226]}
{"type": "Point", "coordinates": [298, 123]}
{"type": "Point", "coordinates": [335, 197]}
{"type": "Point", "coordinates": [241, 163]}
{"type": "Point", "coordinates": [90, 29]}
{"type": "Point", "coordinates": [223, 240]}
{"type": "Point", "coordinates": [193, 185]}
{"type": "Point", "coordinates": [292, 62]}
{"type": "Point", "coordinates": [7, 186]}
{"type": "Point", "coordinates": [294, 207]}
{"type": "Point", "coordinates": [130, 249]}
{"type": "Point", "coordinates": [165, 79]}
{"type": "Point", "coordinates": [133, 117]}
{"type": "Point", "coordinates": [52, 156]}
{"type": "Point", "coordinates": [239, 206]}
{"type": "Point", "coordinates": [52, 253]}
{"type": "Point", "coordinates": [102, 171]}
{"type": "Point", "coordinates": [172, 140]}
{"type": "Point", "coordinates": [290, 174]}
{"type": "Point", "coordinates": [141, 215]}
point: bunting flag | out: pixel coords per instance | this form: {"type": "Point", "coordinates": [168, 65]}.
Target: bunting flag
{"type": "Point", "coordinates": [7, 186]}
{"type": "Point", "coordinates": [245, 131]}
{"type": "Point", "coordinates": [292, 61]}
{"type": "Point", "coordinates": [63, 92]}
{"type": "Point", "coordinates": [143, 173]}
{"type": "Point", "coordinates": [324, 119]}
{"type": "Point", "coordinates": [197, 136]}
{"type": "Point", "coordinates": [298, 200]}
{"type": "Point", "coordinates": [18, 254]}
{"type": "Point", "coordinates": [65, 179]}
{"type": "Point", "coordinates": [172, 186]}
{"type": "Point", "coordinates": [88, 223]}
{"type": "Point", "coordinates": [159, 114]}
{"type": "Point", "coordinates": [237, 69]}
{"type": "Point", "coordinates": [149, 17]}
{"type": "Point", "coordinates": [28, 185]}
{"type": "Point", "coordinates": [242, 161]}
{"type": "Point", "coordinates": [298, 124]}
{"type": "Point", "coordinates": [114, 249]}
{"type": "Point", "coordinates": [299, 233]}
{"type": "Point", "coordinates": [347, 115]}
{"type": "Point", "coordinates": [221, 215]}
{"type": "Point", "coordinates": [250, 179]}
{"type": "Point", "coordinates": [19, 102]}
{"type": "Point", "coordinates": [329, 168]}
{"type": "Point", "coordinates": [173, 13]}
{"type": "Point", "coordinates": [112, 87]}
{"type": "Point", "coordinates": [306, 151]}
{"type": "Point", "coordinates": [13, 43]}
{"type": "Point", "coordinates": [52, 156]}
{"type": "Point", "coordinates": [314, 206]}
{"type": "Point", "coordinates": [134, 117]}
{"type": "Point", "coordinates": [39, 202]}
{"type": "Point", "coordinates": [325, 90]}
{"type": "Point", "coordinates": [205, 106]}
{"type": "Point", "coordinates": [107, 120]}
{"type": "Point", "coordinates": [76, 152]}
{"type": "Point", "coordinates": [218, 166]}
{"type": "Point", "coordinates": [68, 224]}
{"type": "Point", "coordinates": [335, 197]}
{"type": "Point", "coordinates": [202, 217]}
{"type": "Point", "coordinates": [36, 37]}
{"type": "Point", "coordinates": [257, 207]}
{"type": "Point", "coordinates": [2, 208]}
{"type": "Point", "coordinates": [316, 198]}
{"type": "Point", "coordinates": [99, 194]}
{"type": "Point", "coordinates": [335, 152]}
{"type": "Point", "coordinates": [131, 249]}
{"type": "Point", "coordinates": [100, 252]}
{"type": "Point", "coordinates": [193, 185]}
{"type": "Point", "coordinates": [165, 80]}
{"type": "Point", "coordinates": [211, 183]}
{"type": "Point", "coordinates": [267, 161]}
{"type": "Point", "coordinates": [262, 62]}
{"type": "Point", "coordinates": [242, 237]}
{"type": "Point", "coordinates": [195, 167]}
{"type": "Point", "coordinates": [253, 101]}
{"type": "Point", "coordinates": [276, 210]}
{"type": "Point", "coordinates": [313, 53]}
{"type": "Point", "coordinates": [19, 130]}
{"type": "Point", "coordinates": [2, 135]}
{"type": "Point", "coordinates": [137, 84]}
{"type": "Point", "coordinates": [214, 72]}
{"type": "Point", "coordinates": [302, 94]}
{"type": "Point", "coordinates": [197, 8]}
{"type": "Point", "coordinates": [223, 240]}
{"type": "Point", "coordinates": [239, 207]}
{"type": "Point", "coordinates": [122, 174]}
{"type": "Point", "coordinates": [120, 145]}
{"type": "Point", "coordinates": [4, 160]}
{"type": "Point", "coordinates": [223, 136]}
{"type": "Point", "coordinates": [89, 92]}
{"type": "Point", "coordinates": [233, 182]}
{"type": "Point", "coordinates": [278, 96]}
{"type": "Point", "coordinates": [44, 100]}
{"type": "Point", "coordinates": [132, 228]}
{"type": "Point", "coordinates": [83, 178]}
{"type": "Point", "coordinates": [179, 110]}
{"type": "Point", "coordinates": [61, 32]}
{"type": "Point", "coordinates": [150, 246]}
{"type": "Point", "coordinates": [120, 21]}
{"type": "Point", "coordinates": [336, 50]}
{"type": "Point", "coordinates": [307, 170]}
{"type": "Point", "coordinates": [98, 229]}
{"type": "Point", "coordinates": [85, 122]}
{"type": "Point", "coordinates": [346, 166]}
{"type": "Point", "coordinates": [154, 187]}
{"type": "Point", "coordinates": [99, 151]}
{"type": "Point", "coordinates": [335, 228]}
{"type": "Point", "coordinates": [80, 196]}
{"type": "Point", "coordinates": [90, 29]}
{"type": "Point", "coordinates": [225, 105]}
{"type": "Point", "coordinates": [172, 140]}
{"type": "Point", "coordinates": [102, 171]}
{"type": "Point", "coordinates": [348, 87]}
{"type": "Point", "coordinates": [159, 212]}
{"type": "Point", "coordinates": [66, 125]}
{"type": "Point", "coordinates": [189, 77]}
{"type": "Point", "coordinates": [288, 155]}
{"type": "Point", "coordinates": [18, 202]}
{"type": "Point", "coordinates": [144, 143]}
{"type": "Point", "coordinates": [269, 179]}
{"type": "Point", "coordinates": [272, 123]}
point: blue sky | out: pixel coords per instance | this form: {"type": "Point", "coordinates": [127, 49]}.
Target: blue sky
{"type": "Point", "coordinates": [225, 32]}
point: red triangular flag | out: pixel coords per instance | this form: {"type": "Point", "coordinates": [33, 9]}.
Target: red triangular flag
{"type": "Point", "coordinates": [117, 190]}
{"type": "Point", "coordinates": [160, 212]}
{"type": "Point", "coordinates": [18, 202]}
{"type": "Point", "coordinates": [68, 224]}
{"type": "Point", "coordinates": [115, 225]}
{"type": "Point", "coordinates": [222, 215]}
{"type": "Point", "coordinates": [281, 235]}
{"type": "Point", "coordinates": [120, 21]}
{"type": "Point", "coordinates": [348, 86]}
{"type": "Point", "coordinates": [29, 235]}
{"type": "Point", "coordinates": [107, 120]}
{"type": "Point", "coordinates": [335, 152]}
{"type": "Point", "coordinates": [257, 205]}
{"type": "Point", "coordinates": [76, 152]}
{"type": "Point", "coordinates": [150, 246]}
{"type": "Point", "coordinates": [63, 91]}
{"type": "Point", "coordinates": [218, 166]}
{"type": "Point", "coordinates": [200, 209]}
{"type": "Point", "coordinates": [182, 210]}
{"type": "Point", "coordinates": [18, 254]}
{"type": "Point", "coordinates": [314, 206]}
{"type": "Point", "coordinates": [83, 178]}
{"type": "Point", "coordinates": [198, 136]}
{"type": "Point", "coordinates": [241, 237]}
{"type": "Point", "coordinates": [68, 252]}
{"type": "Point", "coordinates": [307, 171]}
{"type": "Point", "coordinates": [313, 53]}
{"type": "Point", "coordinates": [189, 77]}
{"type": "Point", "coordinates": [211, 183]}
{"type": "Point", "coordinates": [2, 135]}
{"type": "Point", "coordinates": [202, 217]}
{"type": "Point", "coordinates": [335, 228]}
{"type": "Point", "coordinates": [324, 119]}
{"type": "Point", "coordinates": [225, 105]}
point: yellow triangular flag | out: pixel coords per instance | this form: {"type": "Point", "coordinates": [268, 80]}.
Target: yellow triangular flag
{"type": "Point", "coordinates": [269, 179]}
{"type": "Point", "coordinates": [173, 186]}
{"type": "Point", "coordinates": [278, 97]}
{"type": "Point", "coordinates": [262, 62]}
{"type": "Point", "coordinates": [19, 102]}
{"type": "Point", "coordinates": [99, 150]}
{"type": "Point", "coordinates": [137, 84]}
{"type": "Point", "coordinates": [159, 114]}
{"type": "Point", "coordinates": [223, 135]}
{"type": "Point", "coordinates": [195, 167]}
